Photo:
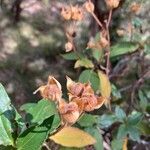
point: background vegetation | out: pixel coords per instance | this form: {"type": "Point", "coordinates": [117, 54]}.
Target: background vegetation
{"type": "Point", "coordinates": [32, 46]}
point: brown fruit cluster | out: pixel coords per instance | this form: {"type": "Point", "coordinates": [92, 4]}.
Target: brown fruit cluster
{"type": "Point", "coordinates": [81, 98]}
{"type": "Point", "coordinates": [72, 12]}
{"type": "Point", "coordinates": [99, 44]}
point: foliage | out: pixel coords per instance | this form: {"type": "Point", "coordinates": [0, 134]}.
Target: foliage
{"type": "Point", "coordinates": [109, 61]}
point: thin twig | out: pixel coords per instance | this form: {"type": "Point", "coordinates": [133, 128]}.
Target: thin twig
{"type": "Point", "coordinates": [108, 38]}
{"type": "Point", "coordinates": [109, 18]}
{"type": "Point", "coordinates": [97, 20]}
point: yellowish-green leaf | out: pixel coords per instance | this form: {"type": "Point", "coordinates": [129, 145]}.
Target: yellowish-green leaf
{"type": "Point", "coordinates": [84, 62]}
{"type": "Point", "coordinates": [105, 86]}
{"type": "Point", "coordinates": [125, 144]}
{"type": "Point", "coordinates": [73, 137]}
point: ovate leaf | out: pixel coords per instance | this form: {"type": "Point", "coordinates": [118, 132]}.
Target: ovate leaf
{"type": "Point", "coordinates": [143, 100]}
{"type": "Point", "coordinates": [70, 56]}
{"type": "Point", "coordinates": [90, 76]}
{"type": "Point", "coordinates": [84, 62]}
{"type": "Point", "coordinates": [4, 100]}
{"type": "Point", "coordinates": [122, 132]}
{"type": "Point", "coordinates": [134, 118]}
{"type": "Point", "coordinates": [69, 148]}
{"type": "Point", "coordinates": [123, 48]}
{"type": "Point", "coordinates": [134, 133]}
{"type": "Point", "coordinates": [41, 111]}
{"type": "Point", "coordinates": [97, 54]}
{"type": "Point", "coordinates": [33, 137]}
{"type": "Point", "coordinates": [107, 120]}
{"type": "Point", "coordinates": [97, 135]}
{"type": "Point", "coordinates": [144, 127]}
{"type": "Point", "coordinates": [115, 92]}
{"type": "Point", "coordinates": [105, 86]}
{"type": "Point", "coordinates": [6, 129]}
{"type": "Point", "coordinates": [117, 144]}
{"type": "Point", "coordinates": [88, 120]}
{"type": "Point", "coordinates": [125, 144]}
{"type": "Point", "coordinates": [73, 137]}
{"type": "Point", "coordinates": [27, 106]}
{"type": "Point", "coordinates": [120, 114]}
{"type": "Point", "coordinates": [6, 147]}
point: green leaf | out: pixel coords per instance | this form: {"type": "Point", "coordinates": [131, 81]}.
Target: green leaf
{"type": "Point", "coordinates": [134, 133]}
{"type": "Point", "coordinates": [120, 114]}
{"type": "Point", "coordinates": [6, 147]}
{"type": "Point", "coordinates": [84, 62]}
{"type": "Point", "coordinates": [134, 118]}
{"type": "Point", "coordinates": [144, 127]}
{"type": "Point", "coordinates": [70, 56]}
{"type": "Point", "coordinates": [92, 77]}
{"type": "Point", "coordinates": [147, 49]}
{"type": "Point", "coordinates": [27, 106]}
{"type": "Point", "coordinates": [88, 120]}
{"type": "Point", "coordinates": [97, 135]}
{"type": "Point", "coordinates": [115, 92]}
{"type": "Point", "coordinates": [6, 129]}
{"type": "Point", "coordinates": [19, 120]}
{"type": "Point", "coordinates": [143, 100]}
{"type": "Point", "coordinates": [106, 120]}
{"type": "Point", "coordinates": [33, 137]}
{"type": "Point", "coordinates": [41, 111]}
{"type": "Point", "coordinates": [122, 131]}
{"type": "Point", "coordinates": [123, 48]}
{"type": "Point", "coordinates": [4, 100]}
{"type": "Point", "coordinates": [117, 144]}
{"type": "Point", "coordinates": [97, 54]}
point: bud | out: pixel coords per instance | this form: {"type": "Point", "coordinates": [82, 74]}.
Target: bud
{"type": "Point", "coordinates": [112, 3]}
{"type": "Point", "coordinates": [89, 6]}
{"type": "Point", "coordinates": [68, 46]}
{"type": "Point", "coordinates": [51, 91]}
{"type": "Point", "coordinates": [66, 13]}
{"type": "Point", "coordinates": [135, 7]}
{"type": "Point", "coordinates": [69, 111]}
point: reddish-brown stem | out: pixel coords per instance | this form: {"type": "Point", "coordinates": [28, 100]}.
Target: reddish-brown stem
{"type": "Point", "coordinates": [97, 20]}
{"type": "Point", "coordinates": [108, 48]}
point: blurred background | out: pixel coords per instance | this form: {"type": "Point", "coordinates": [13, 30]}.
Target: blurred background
{"type": "Point", "coordinates": [32, 39]}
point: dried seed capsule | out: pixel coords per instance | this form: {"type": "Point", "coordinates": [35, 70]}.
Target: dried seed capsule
{"type": "Point", "coordinates": [69, 111]}
{"type": "Point", "coordinates": [111, 4]}
{"type": "Point", "coordinates": [89, 6]}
